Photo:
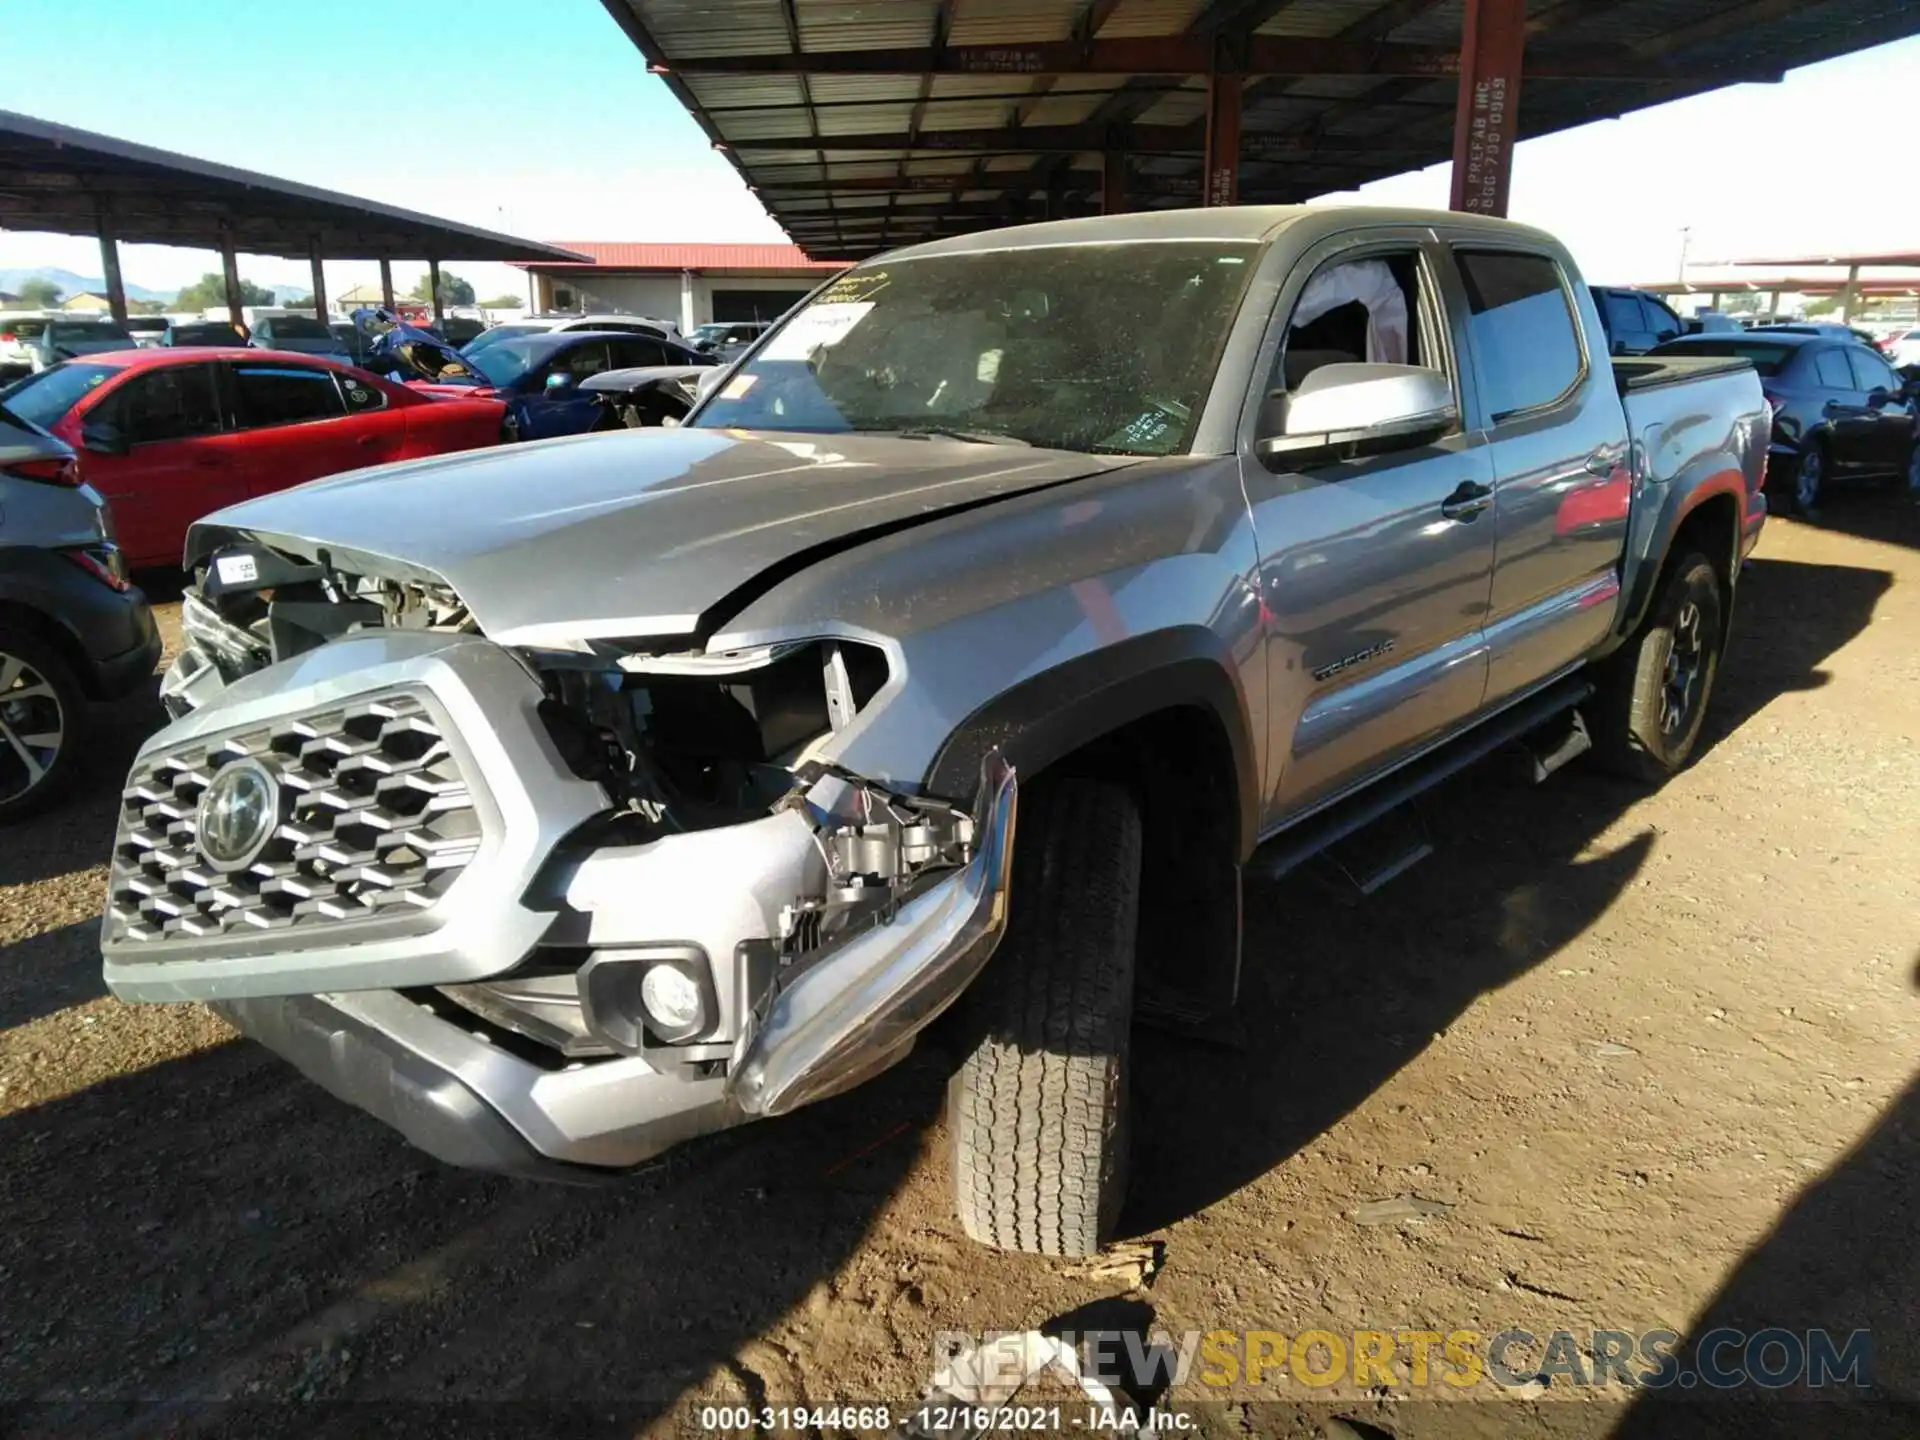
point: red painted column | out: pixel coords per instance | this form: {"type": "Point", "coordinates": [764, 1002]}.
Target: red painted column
{"type": "Point", "coordinates": [1486, 118]}
{"type": "Point", "coordinates": [1220, 182]}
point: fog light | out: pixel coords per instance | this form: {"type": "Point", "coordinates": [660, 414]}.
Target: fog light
{"type": "Point", "coordinates": [646, 999]}
{"type": "Point", "coordinates": [673, 1002]}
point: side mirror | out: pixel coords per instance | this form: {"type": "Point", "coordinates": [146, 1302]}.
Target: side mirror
{"type": "Point", "coordinates": [103, 437]}
{"type": "Point", "coordinates": [1349, 405]}
{"type": "Point", "coordinates": [708, 382]}
{"type": "Point", "coordinates": [1878, 397]}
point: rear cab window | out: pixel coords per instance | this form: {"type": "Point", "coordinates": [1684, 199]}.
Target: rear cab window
{"type": "Point", "coordinates": [1526, 342]}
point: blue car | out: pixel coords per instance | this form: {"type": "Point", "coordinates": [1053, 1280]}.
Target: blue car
{"type": "Point", "coordinates": [539, 377]}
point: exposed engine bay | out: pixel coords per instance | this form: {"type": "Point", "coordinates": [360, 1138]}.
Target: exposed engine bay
{"type": "Point", "coordinates": [679, 741]}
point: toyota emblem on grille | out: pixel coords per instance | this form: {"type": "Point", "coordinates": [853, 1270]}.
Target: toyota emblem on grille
{"type": "Point", "coordinates": [238, 815]}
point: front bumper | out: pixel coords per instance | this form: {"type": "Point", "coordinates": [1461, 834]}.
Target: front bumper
{"type": "Point", "coordinates": [122, 673]}
{"type": "Point", "coordinates": [471, 1103]}
{"type": "Point", "coordinates": [354, 998]}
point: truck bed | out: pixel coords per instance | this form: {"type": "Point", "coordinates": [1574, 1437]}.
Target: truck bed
{"type": "Point", "coordinates": [1645, 372]}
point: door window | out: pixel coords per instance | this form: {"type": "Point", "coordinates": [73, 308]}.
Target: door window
{"type": "Point", "coordinates": [581, 361]}
{"type": "Point", "coordinates": [1525, 342]}
{"type": "Point", "coordinates": [1870, 372]}
{"type": "Point", "coordinates": [285, 395]}
{"type": "Point", "coordinates": [1830, 369]}
{"type": "Point", "coordinates": [1353, 311]}
{"type": "Point", "coordinates": [630, 353]}
{"type": "Point", "coordinates": [175, 402]}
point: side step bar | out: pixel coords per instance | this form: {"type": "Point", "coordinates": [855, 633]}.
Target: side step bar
{"type": "Point", "coordinates": [1295, 846]}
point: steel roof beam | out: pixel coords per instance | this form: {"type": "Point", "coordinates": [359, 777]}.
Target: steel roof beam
{"type": "Point", "coordinates": [1167, 55]}
{"type": "Point", "coordinates": [1145, 140]}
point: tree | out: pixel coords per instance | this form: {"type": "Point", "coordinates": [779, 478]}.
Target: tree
{"type": "Point", "coordinates": [297, 302]}
{"type": "Point", "coordinates": [453, 290]}
{"type": "Point", "coordinates": [40, 294]}
{"type": "Point", "coordinates": [209, 292]}
{"type": "Point", "coordinates": [504, 302]}
{"type": "Point", "coordinates": [145, 307]}
{"type": "Point", "coordinates": [1826, 305]}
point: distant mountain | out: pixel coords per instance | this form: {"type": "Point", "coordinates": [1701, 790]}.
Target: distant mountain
{"type": "Point", "coordinates": [71, 284]}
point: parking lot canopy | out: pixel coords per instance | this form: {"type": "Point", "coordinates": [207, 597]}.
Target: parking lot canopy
{"type": "Point", "coordinates": [56, 178]}
{"type": "Point", "coordinates": [863, 125]}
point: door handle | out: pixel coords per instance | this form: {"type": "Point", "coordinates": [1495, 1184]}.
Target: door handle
{"type": "Point", "coordinates": [1467, 501]}
{"type": "Point", "coordinates": [1603, 460]}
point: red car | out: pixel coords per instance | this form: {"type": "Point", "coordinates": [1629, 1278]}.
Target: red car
{"type": "Point", "coordinates": [171, 435]}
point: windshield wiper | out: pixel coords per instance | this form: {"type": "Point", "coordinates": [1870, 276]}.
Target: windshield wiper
{"type": "Point", "coordinates": [942, 432]}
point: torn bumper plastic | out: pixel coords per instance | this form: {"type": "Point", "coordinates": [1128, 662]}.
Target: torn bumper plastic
{"type": "Point", "coordinates": [858, 1005]}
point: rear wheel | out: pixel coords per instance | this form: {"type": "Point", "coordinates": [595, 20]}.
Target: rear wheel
{"type": "Point", "coordinates": [42, 717]}
{"type": "Point", "coordinates": [1653, 691]}
{"type": "Point", "coordinates": [1039, 1109]}
{"type": "Point", "coordinates": [1810, 478]}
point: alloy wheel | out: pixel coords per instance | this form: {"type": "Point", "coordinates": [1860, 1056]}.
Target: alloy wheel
{"type": "Point", "coordinates": [1686, 658]}
{"type": "Point", "coordinates": [1807, 479]}
{"type": "Point", "coordinates": [33, 727]}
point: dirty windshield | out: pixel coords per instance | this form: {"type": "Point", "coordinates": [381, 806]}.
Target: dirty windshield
{"type": "Point", "coordinates": [1105, 348]}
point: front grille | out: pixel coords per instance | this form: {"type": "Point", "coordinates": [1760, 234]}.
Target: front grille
{"type": "Point", "coordinates": [376, 819]}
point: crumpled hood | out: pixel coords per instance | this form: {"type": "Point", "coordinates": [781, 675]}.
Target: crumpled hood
{"type": "Point", "coordinates": [640, 533]}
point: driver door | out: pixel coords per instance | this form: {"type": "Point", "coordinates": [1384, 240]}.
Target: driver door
{"type": "Point", "coordinates": [566, 409]}
{"type": "Point", "coordinates": [1375, 572]}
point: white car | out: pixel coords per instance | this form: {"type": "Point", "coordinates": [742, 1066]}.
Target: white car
{"type": "Point", "coordinates": [1905, 349]}
{"type": "Point", "coordinates": [19, 335]}
{"type": "Point", "coordinates": [630, 324]}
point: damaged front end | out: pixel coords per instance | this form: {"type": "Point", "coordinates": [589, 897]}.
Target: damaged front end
{"type": "Point", "coordinates": [544, 906]}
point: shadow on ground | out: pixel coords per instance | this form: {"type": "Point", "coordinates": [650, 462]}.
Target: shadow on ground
{"type": "Point", "coordinates": [1872, 511]}
{"type": "Point", "coordinates": [1842, 1259]}
{"type": "Point", "coordinates": [1338, 996]}
{"type": "Point", "coordinates": [215, 1227]}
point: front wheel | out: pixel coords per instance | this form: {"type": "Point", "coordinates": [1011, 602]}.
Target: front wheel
{"type": "Point", "coordinates": [1653, 691]}
{"type": "Point", "coordinates": [1038, 1111]}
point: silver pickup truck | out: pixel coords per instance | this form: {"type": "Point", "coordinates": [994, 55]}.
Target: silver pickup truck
{"type": "Point", "coordinates": [560, 803]}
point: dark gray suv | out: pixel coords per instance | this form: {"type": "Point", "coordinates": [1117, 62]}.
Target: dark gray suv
{"type": "Point", "coordinates": [73, 628]}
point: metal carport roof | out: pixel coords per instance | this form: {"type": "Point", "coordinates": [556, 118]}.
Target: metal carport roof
{"type": "Point", "coordinates": [56, 178]}
{"type": "Point", "coordinates": [866, 123]}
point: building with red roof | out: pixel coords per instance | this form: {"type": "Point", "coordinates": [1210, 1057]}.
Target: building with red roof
{"type": "Point", "coordinates": [692, 284]}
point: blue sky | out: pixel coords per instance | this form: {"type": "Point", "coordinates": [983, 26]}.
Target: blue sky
{"type": "Point", "coordinates": [540, 119]}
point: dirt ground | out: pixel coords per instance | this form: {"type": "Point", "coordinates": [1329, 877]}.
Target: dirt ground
{"type": "Point", "coordinates": [1654, 1057]}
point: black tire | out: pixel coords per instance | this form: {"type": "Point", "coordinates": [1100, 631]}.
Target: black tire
{"type": "Point", "coordinates": [1039, 1108]}
{"type": "Point", "coordinates": [1653, 691]}
{"type": "Point", "coordinates": [1809, 480]}
{"type": "Point", "coordinates": [44, 694]}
